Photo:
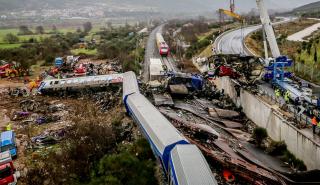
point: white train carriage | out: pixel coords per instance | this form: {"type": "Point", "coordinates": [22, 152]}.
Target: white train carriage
{"type": "Point", "coordinates": [166, 141]}
{"type": "Point", "coordinates": [189, 167]}
{"type": "Point", "coordinates": [162, 45]}
{"type": "Point", "coordinates": [79, 82]}
{"type": "Point", "coordinates": [161, 134]}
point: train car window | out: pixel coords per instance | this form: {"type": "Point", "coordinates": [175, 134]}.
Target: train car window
{"type": "Point", "coordinates": [51, 82]}
{"type": "Point", "coordinates": [56, 82]}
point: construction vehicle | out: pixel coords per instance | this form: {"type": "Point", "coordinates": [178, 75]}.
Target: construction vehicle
{"type": "Point", "coordinates": [275, 66]}
{"type": "Point", "coordinates": [8, 70]}
{"type": "Point", "coordinates": [231, 13]}
{"type": "Point", "coordinates": [8, 174]}
{"type": "Point", "coordinates": [81, 70]}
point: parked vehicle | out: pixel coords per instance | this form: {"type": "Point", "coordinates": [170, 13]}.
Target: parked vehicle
{"type": "Point", "coordinates": [8, 143]}
{"type": "Point", "coordinates": [8, 174]}
{"type": "Point", "coordinates": [8, 70]}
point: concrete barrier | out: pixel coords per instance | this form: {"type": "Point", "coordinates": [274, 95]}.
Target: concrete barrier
{"type": "Point", "coordinates": [279, 129]}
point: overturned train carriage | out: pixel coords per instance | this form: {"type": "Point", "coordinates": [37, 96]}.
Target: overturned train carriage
{"type": "Point", "coordinates": [94, 83]}
{"type": "Point", "coordinates": [164, 139]}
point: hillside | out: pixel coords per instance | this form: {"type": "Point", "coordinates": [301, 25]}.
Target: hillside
{"type": "Point", "coordinates": [172, 6]}
{"type": "Point", "coordinates": [312, 7]}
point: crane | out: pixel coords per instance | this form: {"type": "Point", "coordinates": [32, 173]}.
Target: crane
{"type": "Point", "coordinates": [231, 12]}
{"type": "Point", "coordinates": [268, 30]}
{"type": "Point", "coordinates": [278, 62]}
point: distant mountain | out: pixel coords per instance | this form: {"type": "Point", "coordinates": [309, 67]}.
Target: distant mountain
{"type": "Point", "coordinates": [312, 7]}
{"type": "Point", "coordinates": [171, 6]}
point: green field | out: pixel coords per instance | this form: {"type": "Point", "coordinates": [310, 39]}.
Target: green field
{"type": "Point", "coordinates": [25, 38]}
{"type": "Point", "coordinates": [84, 51]}
{"type": "Point", "coordinates": [9, 46]}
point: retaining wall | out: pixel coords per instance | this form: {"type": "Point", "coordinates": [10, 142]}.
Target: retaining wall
{"type": "Point", "coordinates": [264, 115]}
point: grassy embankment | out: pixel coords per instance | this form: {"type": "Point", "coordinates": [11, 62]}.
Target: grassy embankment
{"type": "Point", "coordinates": [254, 40]}
{"type": "Point", "coordinates": [305, 54]}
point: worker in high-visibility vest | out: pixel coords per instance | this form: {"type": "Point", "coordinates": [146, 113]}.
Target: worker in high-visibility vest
{"type": "Point", "coordinates": [314, 124]}
{"type": "Point", "coordinates": [9, 127]}
{"type": "Point", "coordinates": [287, 97]}
{"type": "Point", "coordinates": [32, 85]}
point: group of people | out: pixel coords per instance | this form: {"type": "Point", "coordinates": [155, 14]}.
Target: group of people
{"type": "Point", "coordinates": [315, 120]}
{"type": "Point", "coordinates": [286, 95]}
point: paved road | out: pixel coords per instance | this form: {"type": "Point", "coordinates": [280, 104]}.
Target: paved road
{"type": "Point", "coordinates": [150, 51]}
{"type": "Point", "coordinates": [232, 42]}
{"type": "Point", "coordinates": [299, 36]}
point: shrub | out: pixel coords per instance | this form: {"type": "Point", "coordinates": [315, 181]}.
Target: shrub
{"type": "Point", "coordinates": [259, 135]}
{"type": "Point", "coordinates": [277, 148]}
{"type": "Point", "coordinates": [296, 163]}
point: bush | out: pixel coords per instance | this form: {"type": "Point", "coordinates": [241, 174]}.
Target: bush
{"type": "Point", "coordinates": [277, 148]}
{"type": "Point", "coordinates": [259, 135]}
{"type": "Point", "coordinates": [11, 38]}
{"type": "Point", "coordinates": [293, 161]}
{"type": "Point", "coordinates": [133, 164]}
{"type": "Point", "coordinates": [49, 60]}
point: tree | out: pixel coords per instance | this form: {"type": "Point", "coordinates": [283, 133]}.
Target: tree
{"type": "Point", "coordinates": [109, 24]}
{"type": "Point", "coordinates": [54, 29]}
{"type": "Point", "coordinates": [11, 38]}
{"type": "Point", "coordinates": [78, 30]}
{"type": "Point", "coordinates": [132, 165]}
{"type": "Point", "coordinates": [87, 26]}
{"type": "Point", "coordinates": [315, 57]}
{"type": "Point", "coordinates": [24, 30]}
{"type": "Point", "coordinates": [39, 30]}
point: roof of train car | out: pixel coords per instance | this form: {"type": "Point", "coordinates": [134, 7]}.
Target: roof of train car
{"type": "Point", "coordinates": [190, 166]}
{"type": "Point", "coordinates": [130, 83]}
{"type": "Point", "coordinates": [160, 131]}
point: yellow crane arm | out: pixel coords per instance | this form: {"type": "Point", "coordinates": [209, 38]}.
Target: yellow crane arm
{"type": "Point", "coordinates": [231, 14]}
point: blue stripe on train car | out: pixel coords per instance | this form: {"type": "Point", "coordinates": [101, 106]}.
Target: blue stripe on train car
{"type": "Point", "coordinates": [173, 171]}
{"type": "Point", "coordinates": [168, 149]}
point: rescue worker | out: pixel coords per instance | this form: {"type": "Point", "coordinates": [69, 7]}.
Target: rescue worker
{"type": "Point", "coordinates": [287, 97]}
{"type": "Point", "coordinates": [278, 94]}
{"type": "Point", "coordinates": [9, 126]}
{"type": "Point", "coordinates": [314, 124]}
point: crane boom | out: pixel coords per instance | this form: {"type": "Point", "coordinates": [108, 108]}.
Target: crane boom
{"type": "Point", "coordinates": [266, 25]}
{"type": "Point", "coordinates": [231, 14]}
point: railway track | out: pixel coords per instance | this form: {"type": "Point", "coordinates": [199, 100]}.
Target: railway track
{"type": "Point", "coordinates": [169, 63]}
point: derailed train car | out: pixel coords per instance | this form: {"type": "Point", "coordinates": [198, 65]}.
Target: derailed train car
{"type": "Point", "coordinates": [77, 84]}
{"type": "Point", "coordinates": [182, 162]}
